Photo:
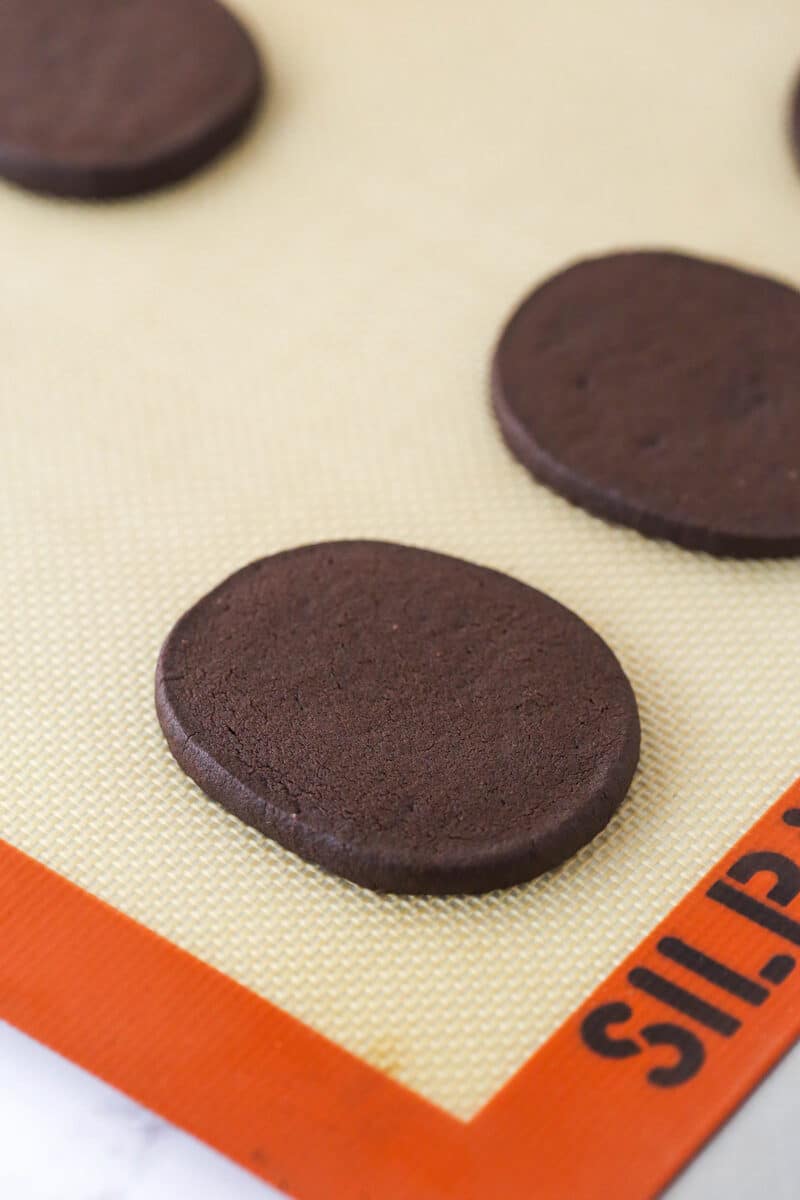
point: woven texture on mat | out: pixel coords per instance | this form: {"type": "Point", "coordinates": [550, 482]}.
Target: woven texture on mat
{"type": "Point", "coordinates": [294, 347]}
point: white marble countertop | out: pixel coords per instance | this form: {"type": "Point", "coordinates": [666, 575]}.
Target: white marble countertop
{"type": "Point", "coordinates": [67, 1136]}
{"type": "Point", "coordinates": [64, 1135]}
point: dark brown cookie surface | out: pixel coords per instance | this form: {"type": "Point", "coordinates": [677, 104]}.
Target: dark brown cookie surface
{"type": "Point", "coordinates": [410, 721]}
{"type": "Point", "coordinates": [102, 98]}
{"type": "Point", "coordinates": [794, 121]}
{"type": "Point", "coordinates": [662, 392]}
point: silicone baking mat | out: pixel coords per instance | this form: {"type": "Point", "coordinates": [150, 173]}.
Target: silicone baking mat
{"type": "Point", "coordinates": [294, 346]}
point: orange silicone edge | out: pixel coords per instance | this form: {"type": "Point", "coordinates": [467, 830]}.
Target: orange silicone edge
{"type": "Point", "coordinates": [263, 1088]}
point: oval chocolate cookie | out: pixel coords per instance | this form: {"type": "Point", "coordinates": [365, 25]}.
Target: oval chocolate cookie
{"type": "Point", "coordinates": [794, 122]}
{"type": "Point", "coordinates": [661, 392]}
{"type": "Point", "coordinates": [102, 98]}
{"type": "Point", "coordinates": [410, 721]}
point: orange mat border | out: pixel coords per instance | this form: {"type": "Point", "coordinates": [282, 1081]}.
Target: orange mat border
{"type": "Point", "coordinates": [257, 1084]}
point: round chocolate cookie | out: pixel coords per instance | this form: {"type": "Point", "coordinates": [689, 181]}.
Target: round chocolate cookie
{"type": "Point", "coordinates": [410, 721]}
{"type": "Point", "coordinates": [102, 98]}
{"type": "Point", "coordinates": [794, 121]}
{"type": "Point", "coordinates": [661, 392]}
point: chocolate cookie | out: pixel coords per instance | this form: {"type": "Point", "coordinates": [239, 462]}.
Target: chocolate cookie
{"type": "Point", "coordinates": [661, 392]}
{"type": "Point", "coordinates": [410, 721]}
{"type": "Point", "coordinates": [102, 98]}
{"type": "Point", "coordinates": [794, 121]}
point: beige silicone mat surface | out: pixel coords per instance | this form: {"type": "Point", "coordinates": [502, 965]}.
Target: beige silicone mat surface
{"type": "Point", "coordinates": [294, 347]}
